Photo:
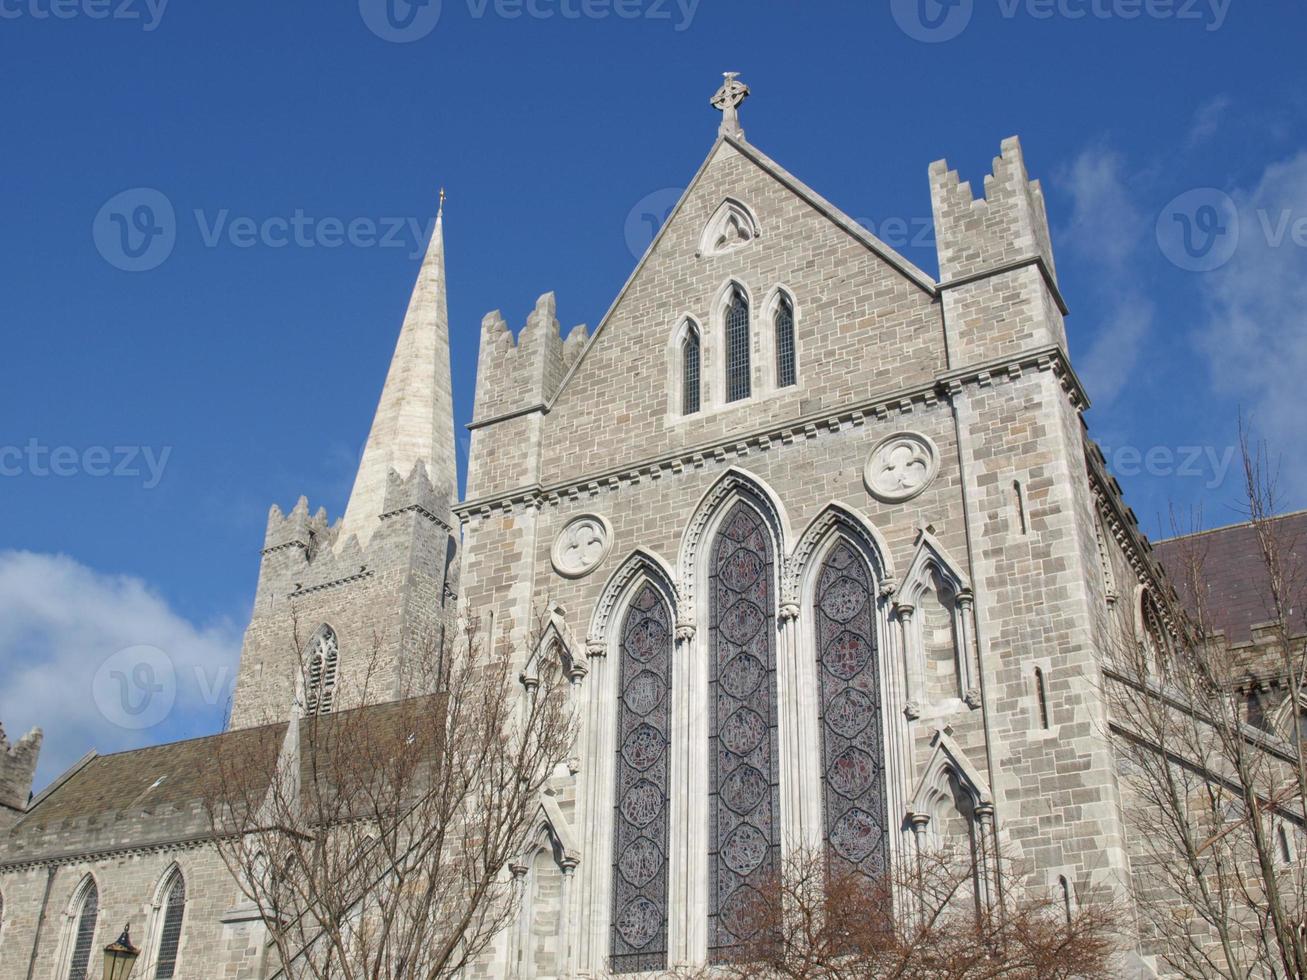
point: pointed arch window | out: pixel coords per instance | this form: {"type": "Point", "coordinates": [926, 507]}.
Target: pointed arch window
{"type": "Point", "coordinates": [744, 807]}
{"type": "Point", "coordinates": [738, 377]}
{"type": "Point", "coordinates": [853, 757]}
{"type": "Point", "coordinates": [786, 375]}
{"type": "Point", "coordinates": [320, 672]}
{"type": "Point", "coordinates": [173, 908]}
{"type": "Point", "coordinates": [640, 840]}
{"type": "Point", "coordinates": [690, 370]}
{"type": "Point", "coordinates": [84, 919]}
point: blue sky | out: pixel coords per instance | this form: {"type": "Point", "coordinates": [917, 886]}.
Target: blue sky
{"type": "Point", "coordinates": [151, 417]}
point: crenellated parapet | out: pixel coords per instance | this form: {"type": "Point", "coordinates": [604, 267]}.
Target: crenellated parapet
{"type": "Point", "coordinates": [992, 249]}
{"type": "Point", "coordinates": [514, 375]}
{"type": "Point", "coordinates": [18, 770]}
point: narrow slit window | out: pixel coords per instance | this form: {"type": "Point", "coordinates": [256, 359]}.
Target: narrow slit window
{"type": "Point", "coordinates": [1282, 838]}
{"type": "Point", "coordinates": [690, 372]}
{"type": "Point", "coordinates": [785, 371]}
{"type": "Point", "coordinates": [1019, 504]}
{"type": "Point", "coordinates": [1066, 897]}
{"type": "Point", "coordinates": [1042, 697]}
{"type": "Point", "coordinates": [738, 381]}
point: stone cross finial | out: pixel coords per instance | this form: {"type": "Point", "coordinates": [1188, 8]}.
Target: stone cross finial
{"type": "Point", "coordinates": [727, 102]}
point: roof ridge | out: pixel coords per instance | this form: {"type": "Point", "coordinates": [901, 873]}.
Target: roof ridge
{"type": "Point", "coordinates": [1228, 527]}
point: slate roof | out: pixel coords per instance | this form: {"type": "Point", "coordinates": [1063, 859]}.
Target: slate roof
{"type": "Point", "coordinates": [157, 794]}
{"type": "Point", "coordinates": [1234, 574]}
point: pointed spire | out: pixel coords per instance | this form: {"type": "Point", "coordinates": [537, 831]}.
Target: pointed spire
{"type": "Point", "coordinates": [415, 416]}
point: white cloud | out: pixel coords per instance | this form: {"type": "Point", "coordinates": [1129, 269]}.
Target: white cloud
{"type": "Point", "coordinates": [1106, 230]}
{"type": "Point", "coordinates": [101, 661]}
{"type": "Point", "coordinates": [1207, 119]}
{"type": "Point", "coordinates": [1255, 335]}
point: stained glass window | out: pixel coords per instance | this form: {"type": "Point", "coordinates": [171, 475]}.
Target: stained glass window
{"type": "Point", "coordinates": [737, 348]}
{"type": "Point", "coordinates": [690, 372]}
{"type": "Point", "coordinates": [785, 373]}
{"type": "Point", "coordinates": [853, 757]}
{"type": "Point", "coordinates": [320, 679]}
{"type": "Point", "coordinates": [743, 835]}
{"type": "Point", "coordinates": [640, 839]}
{"type": "Point", "coordinates": [174, 906]}
{"type": "Point", "coordinates": [79, 966]}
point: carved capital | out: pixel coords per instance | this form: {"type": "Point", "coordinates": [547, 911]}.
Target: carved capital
{"type": "Point", "coordinates": [912, 710]}
{"type": "Point", "coordinates": [965, 598]}
{"type": "Point", "coordinates": [596, 648]}
{"type": "Point", "coordinates": [904, 611]}
{"type": "Point", "coordinates": [973, 698]}
{"type": "Point", "coordinates": [888, 590]}
{"type": "Point", "coordinates": [519, 870]}
{"type": "Point", "coordinates": [685, 632]}
{"type": "Point", "coordinates": [789, 612]}
{"type": "Point", "coordinates": [919, 821]}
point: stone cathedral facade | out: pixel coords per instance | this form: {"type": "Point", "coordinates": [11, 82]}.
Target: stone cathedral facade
{"type": "Point", "coordinates": [821, 539]}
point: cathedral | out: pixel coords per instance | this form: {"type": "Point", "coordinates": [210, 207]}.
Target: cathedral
{"type": "Point", "coordinates": [822, 540]}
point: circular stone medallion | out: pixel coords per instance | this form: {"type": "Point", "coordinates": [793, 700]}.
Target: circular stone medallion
{"type": "Point", "coordinates": [582, 545]}
{"type": "Point", "coordinates": [901, 466]}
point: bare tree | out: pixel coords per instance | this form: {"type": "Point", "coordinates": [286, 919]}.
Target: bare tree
{"type": "Point", "coordinates": [819, 920]}
{"type": "Point", "coordinates": [373, 842]}
{"type": "Point", "coordinates": [1214, 802]}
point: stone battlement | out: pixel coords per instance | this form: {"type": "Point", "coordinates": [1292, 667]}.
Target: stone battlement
{"type": "Point", "coordinates": [516, 374]}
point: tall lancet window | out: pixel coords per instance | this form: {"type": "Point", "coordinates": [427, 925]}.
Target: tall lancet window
{"type": "Point", "coordinates": [640, 843]}
{"type": "Point", "coordinates": [853, 755]}
{"type": "Point", "coordinates": [88, 910]}
{"type": "Point", "coordinates": [744, 809]}
{"type": "Point", "coordinates": [738, 379]}
{"type": "Point", "coordinates": [690, 373]}
{"type": "Point", "coordinates": [320, 672]}
{"type": "Point", "coordinates": [785, 372]}
{"type": "Point", "coordinates": [170, 933]}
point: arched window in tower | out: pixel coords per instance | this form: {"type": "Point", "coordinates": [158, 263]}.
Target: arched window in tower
{"type": "Point", "coordinates": [173, 908]}
{"type": "Point", "coordinates": [853, 756]}
{"type": "Point", "coordinates": [320, 672]}
{"type": "Point", "coordinates": [86, 912]}
{"type": "Point", "coordinates": [738, 376]}
{"type": "Point", "coordinates": [785, 370]}
{"type": "Point", "coordinates": [690, 373]}
{"type": "Point", "coordinates": [744, 809]}
{"type": "Point", "coordinates": [640, 838]}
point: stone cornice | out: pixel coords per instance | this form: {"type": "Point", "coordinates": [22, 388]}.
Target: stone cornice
{"type": "Point", "coordinates": [881, 407]}
{"type": "Point", "coordinates": [306, 590]}
{"type": "Point", "coordinates": [1035, 260]}
{"type": "Point", "coordinates": [187, 842]}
